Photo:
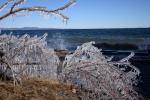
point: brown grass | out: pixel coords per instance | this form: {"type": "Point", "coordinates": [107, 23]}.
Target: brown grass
{"type": "Point", "coordinates": [34, 89]}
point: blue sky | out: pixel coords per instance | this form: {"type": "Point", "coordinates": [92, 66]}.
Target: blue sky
{"type": "Point", "coordinates": [87, 14]}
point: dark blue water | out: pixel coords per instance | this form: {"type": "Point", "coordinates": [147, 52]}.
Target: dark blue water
{"type": "Point", "coordinates": [137, 40]}
{"type": "Point", "coordinates": [70, 38]}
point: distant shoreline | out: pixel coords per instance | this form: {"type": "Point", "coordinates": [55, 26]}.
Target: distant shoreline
{"type": "Point", "coordinates": [36, 28]}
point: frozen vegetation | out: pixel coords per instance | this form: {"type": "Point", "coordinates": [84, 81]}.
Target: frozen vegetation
{"type": "Point", "coordinates": [87, 68]}
{"type": "Point", "coordinates": [27, 56]}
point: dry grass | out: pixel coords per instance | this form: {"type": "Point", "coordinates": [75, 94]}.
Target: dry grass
{"type": "Point", "coordinates": [37, 90]}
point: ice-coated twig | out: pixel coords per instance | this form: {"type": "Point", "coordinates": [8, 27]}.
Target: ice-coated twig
{"type": "Point", "coordinates": [126, 59]}
{"type": "Point", "coordinates": [5, 4]}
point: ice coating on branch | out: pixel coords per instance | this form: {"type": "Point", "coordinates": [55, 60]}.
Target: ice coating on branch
{"type": "Point", "coordinates": [88, 68]}
{"type": "Point", "coordinates": [28, 57]}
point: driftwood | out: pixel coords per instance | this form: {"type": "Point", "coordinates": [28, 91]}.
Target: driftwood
{"type": "Point", "coordinates": [89, 69]}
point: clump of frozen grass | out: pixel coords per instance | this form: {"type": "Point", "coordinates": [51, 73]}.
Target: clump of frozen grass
{"type": "Point", "coordinates": [26, 56]}
{"type": "Point", "coordinates": [89, 69]}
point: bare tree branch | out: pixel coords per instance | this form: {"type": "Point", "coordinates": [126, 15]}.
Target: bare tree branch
{"type": "Point", "coordinates": [35, 9]}
{"type": "Point", "coordinates": [16, 4]}
{"type": "Point", "coordinates": [5, 4]}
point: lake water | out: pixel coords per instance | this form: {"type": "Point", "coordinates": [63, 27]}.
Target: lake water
{"type": "Point", "coordinates": [71, 38]}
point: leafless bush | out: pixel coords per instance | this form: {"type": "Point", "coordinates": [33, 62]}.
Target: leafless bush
{"type": "Point", "coordinates": [89, 69]}
{"type": "Point", "coordinates": [27, 56]}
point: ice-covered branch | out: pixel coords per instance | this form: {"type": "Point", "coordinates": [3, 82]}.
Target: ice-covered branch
{"type": "Point", "coordinates": [16, 4]}
{"type": "Point", "coordinates": [15, 10]}
{"type": "Point", "coordinates": [5, 4]}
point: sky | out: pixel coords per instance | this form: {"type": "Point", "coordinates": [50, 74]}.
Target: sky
{"type": "Point", "coordinates": [86, 14]}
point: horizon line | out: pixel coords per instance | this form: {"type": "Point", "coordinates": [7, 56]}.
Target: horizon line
{"type": "Point", "coordinates": [71, 28]}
